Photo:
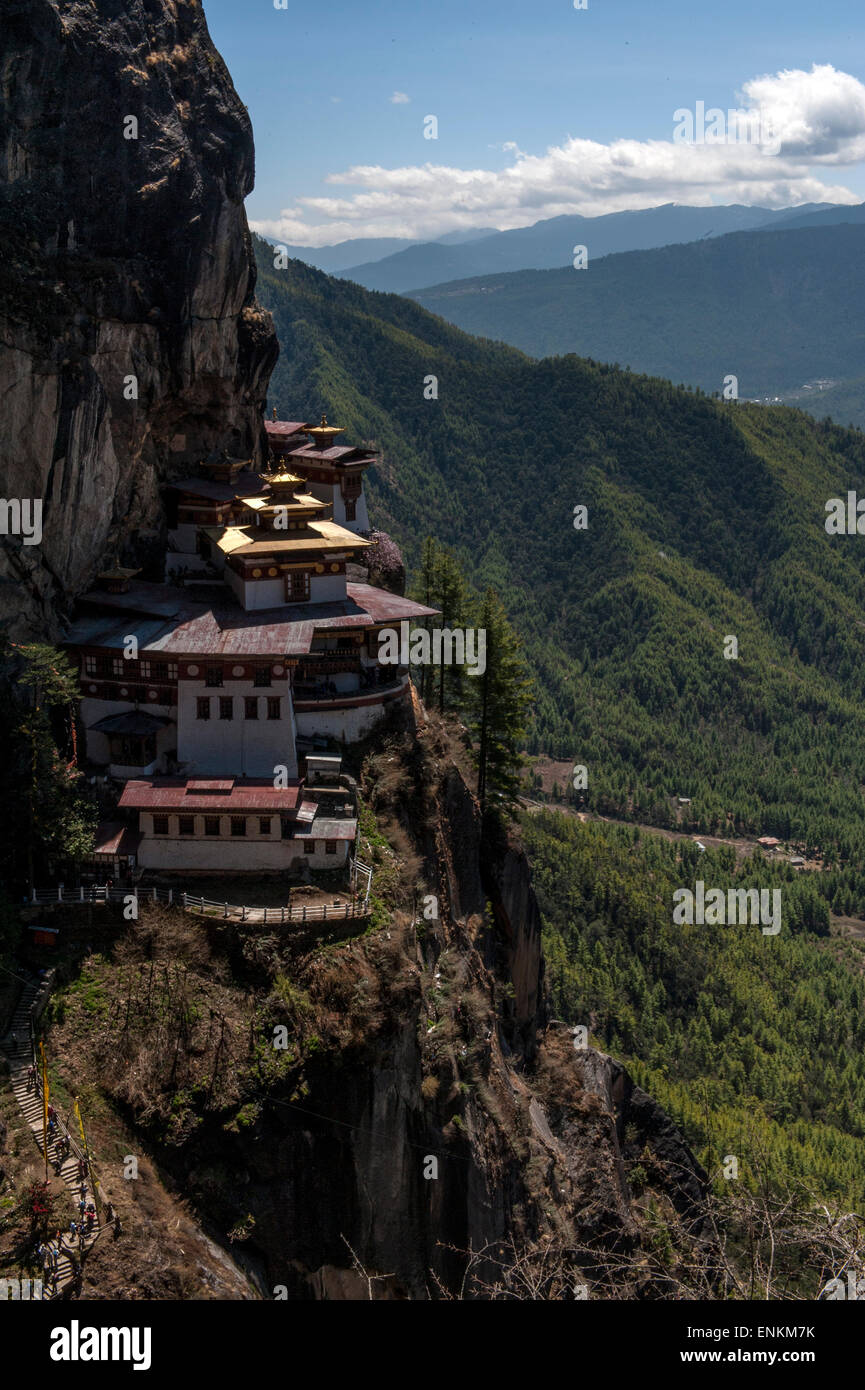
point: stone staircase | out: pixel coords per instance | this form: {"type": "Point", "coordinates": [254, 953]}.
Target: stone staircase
{"type": "Point", "coordinates": [29, 1096]}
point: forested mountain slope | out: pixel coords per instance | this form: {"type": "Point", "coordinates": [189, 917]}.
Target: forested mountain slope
{"type": "Point", "coordinates": [753, 1042]}
{"type": "Point", "coordinates": [776, 308]}
{"type": "Point", "coordinates": [705, 520]}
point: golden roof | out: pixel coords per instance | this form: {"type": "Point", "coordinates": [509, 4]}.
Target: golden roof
{"type": "Point", "coordinates": [319, 536]}
{"type": "Point", "coordinates": [282, 479]}
{"type": "Point", "coordinates": [297, 506]}
{"type": "Point", "coordinates": [117, 572]}
{"type": "Point", "coordinates": [323, 434]}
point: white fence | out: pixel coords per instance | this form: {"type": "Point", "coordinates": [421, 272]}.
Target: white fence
{"type": "Point", "coordinates": [361, 874]}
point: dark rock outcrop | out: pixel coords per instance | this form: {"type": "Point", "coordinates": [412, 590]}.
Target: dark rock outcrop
{"type": "Point", "coordinates": [125, 156]}
{"type": "Point", "coordinates": [530, 1140]}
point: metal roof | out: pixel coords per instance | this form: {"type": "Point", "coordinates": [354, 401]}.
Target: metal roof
{"type": "Point", "coordinates": [188, 794]}
{"type": "Point", "coordinates": [318, 536]}
{"type": "Point", "coordinates": [142, 596]}
{"type": "Point", "coordinates": [331, 830]}
{"type": "Point", "coordinates": [337, 453]}
{"type": "Point", "coordinates": [110, 630]}
{"type": "Point", "coordinates": [381, 606]}
{"type": "Point", "coordinates": [220, 492]}
{"type": "Point", "coordinates": [198, 629]}
{"type": "Point", "coordinates": [113, 837]}
{"type": "Point", "coordinates": [279, 427]}
{"type": "Point", "coordinates": [131, 722]}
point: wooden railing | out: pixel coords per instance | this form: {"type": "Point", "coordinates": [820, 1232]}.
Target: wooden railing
{"type": "Point", "coordinates": [192, 902]}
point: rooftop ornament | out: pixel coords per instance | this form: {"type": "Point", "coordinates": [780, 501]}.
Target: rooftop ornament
{"type": "Point", "coordinates": [116, 578]}
{"type": "Point", "coordinates": [323, 435]}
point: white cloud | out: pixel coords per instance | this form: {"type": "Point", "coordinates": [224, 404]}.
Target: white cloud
{"type": "Point", "coordinates": [817, 118]}
{"type": "Point", "coordinates": [400, 99]}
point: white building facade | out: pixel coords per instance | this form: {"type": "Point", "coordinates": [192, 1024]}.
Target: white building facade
{"type": "Point", "coordinates": [201, 694]}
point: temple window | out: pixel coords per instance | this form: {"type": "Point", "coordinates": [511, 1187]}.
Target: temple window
{"type": "Point", "coordinates": [202, 707]}
{"type": "Point", "coordinates": [297, 586]}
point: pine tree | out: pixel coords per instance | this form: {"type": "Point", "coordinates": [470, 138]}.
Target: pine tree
{"type": "Point", "coordinates": [502, 694]}
{"type": "Point", "coordinates": [53, 819]}
{"type": "Point", "coordinates": [425, 592]}
{"type": "Point", "coordinates": [453, 599]}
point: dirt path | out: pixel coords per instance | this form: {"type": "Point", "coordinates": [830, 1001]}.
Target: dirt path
{"type": "Point", "coordinates": [60, 1266]}
{"type": "Point", "coordinates": [743, 846]}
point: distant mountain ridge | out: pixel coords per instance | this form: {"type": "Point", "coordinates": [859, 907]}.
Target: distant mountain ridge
{"type": "Point", "coordinates": [335, 259]}
{"type": "Point", "coordinates": [776, 308]}
{"type": "Point", "coordinates": [705, 518]}
{"type": "Point", "coordinates": [548, 245]}
{"type": "Point", "coordinates": [342, 254]}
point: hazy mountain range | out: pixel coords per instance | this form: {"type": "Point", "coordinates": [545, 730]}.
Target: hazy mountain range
{"type": "Point", "coordinates": [782, 310]}
{"type": "Point", "coordinates": [401, 263]}
{"type": "Point", "coordinates": [550, 244]}
{"type": "Point", "coordinates": [339, 258]}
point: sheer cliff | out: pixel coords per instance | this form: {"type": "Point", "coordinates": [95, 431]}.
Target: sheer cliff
{"type": "Point", "coordinates": [385, 1112]}
{"type": "Point", "coordinates": [132, 343]}
{"type": "Point", "coordinates": [424, 1129]}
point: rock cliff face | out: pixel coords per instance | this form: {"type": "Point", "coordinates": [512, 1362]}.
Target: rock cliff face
{"type": "Point", "coordinates": [427, 1108]}
{"type": "Point", "coordinates": [131, 343]}
{"type": "Point", "coordinates": [442, 1136]}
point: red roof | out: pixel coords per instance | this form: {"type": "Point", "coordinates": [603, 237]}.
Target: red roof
{"type": "Point", "coordinates": [190, 628]}
{"type": "Point", "coordinates": [378, 606]}
{"type": "Point", "coordinates": [191, 794]}
{"type": "Point", "coordinates": [285, 427]}
{"type": "Point", "coordinates": [336, 453]}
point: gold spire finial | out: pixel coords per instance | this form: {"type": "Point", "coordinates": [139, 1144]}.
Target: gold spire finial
{"type": "Point", "coordinates": [274, 412]}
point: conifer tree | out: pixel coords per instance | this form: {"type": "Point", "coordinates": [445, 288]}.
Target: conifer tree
{"type": "Point", "coordinates": [52, 818]}
{"type": "Point", "coordinates": [451, 596]}
{"type": "Point", "coordinates": [502, 695]}
{"type": "Point", "coordinates": [425, 592]}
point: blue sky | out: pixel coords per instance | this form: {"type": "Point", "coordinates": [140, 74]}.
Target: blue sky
{"type": "Point", "coordinates": [577, 96]}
